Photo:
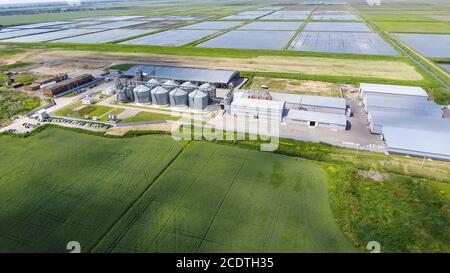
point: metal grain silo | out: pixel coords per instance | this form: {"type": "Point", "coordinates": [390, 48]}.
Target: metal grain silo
{"type": "Point", "coordinates": [209, 89]}
{"type": "Point", "coordinates": [152, 83]}
{"type": "Point", "coordinates": [198, 100]}
{"type": "Point", "coordinates": [141, 94]}
{"type": "Point", "coordinates": [122, 95]}
{"type": "Point", "coordinates": [169, 84]}
{"type": "Point", "coordinates": [178, 98]}
{"type": "Point", "coordinates": [160, 96]}
{"type": "Point", "coordinates": [188, 86]}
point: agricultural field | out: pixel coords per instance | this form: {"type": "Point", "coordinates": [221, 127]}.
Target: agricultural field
{"type": "Point", "coordinates": [201, 203]}
{"type": "Point", "coordinates": [206, 197]}
{"type": "Point", "coordinates": [77, 189]}
{"type": "Point", "coordinates": [416, 27]}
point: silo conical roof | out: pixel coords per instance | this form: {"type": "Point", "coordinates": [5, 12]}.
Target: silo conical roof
{"type": "Point", "coordinates": [159, 90]}
{"type": "Point", "coordinates": [188, 85]}
{"type": "Point", "coordinates": [206, 86]}
{"type": "Point", "coordinates": [170, 83]}
{"type": "Point", "coordinates": [153, 82]}
{"type": "Point", "coordinates": [197, 94]}
{"type": "Point", "coordinates": [141, 88]}
{"type": "Point", "coordinates": [177, 92]}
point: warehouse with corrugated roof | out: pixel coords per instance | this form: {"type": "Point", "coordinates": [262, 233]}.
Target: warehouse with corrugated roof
{"type": "Point", "coordinates": [218, 77]}
{"type": "Point", "coordinates": [402, 105]}
{"type": "Point", "coordinates": [417, 142]}
{"type": "Point", "coordinates": [317, 119]}
{"type": "Point", "coordinates": [392, 90]}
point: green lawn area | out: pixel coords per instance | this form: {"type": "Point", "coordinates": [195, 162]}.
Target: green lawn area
{"type": "Point", "coordinates": [148, 116]}
{"type": "Point", "coordinates": [78, 110]}
{"type": "Point", "coordinates": [416, 27]}
{"type": "Point", "coordinates": [116, 112]}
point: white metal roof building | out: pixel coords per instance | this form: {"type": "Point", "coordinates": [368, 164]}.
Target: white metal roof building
{"type": "Point", "coordinates": [392, 90]}
{"type": "Point", "coordinates": [324, 104]}
{"type": "Point", "coordinates": [402, 104]}
{"type": "Point", "coordinates": [416, 142]}
{"type": "Point", "coordinates": [317, 119]}
{"type": "Point", "coordinates": [311, 103]}
{"type": "Point", "coordinates": [259, 109]}
{"type": "Point", "coordinates": [218, 77]}
{"type": "Point", "coordinates": [379, 119]}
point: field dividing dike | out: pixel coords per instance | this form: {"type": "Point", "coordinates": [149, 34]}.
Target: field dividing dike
{"type": "Point", "coordinates": [132, 205]}
{"type": "Point", "coordinates": [300, 29]}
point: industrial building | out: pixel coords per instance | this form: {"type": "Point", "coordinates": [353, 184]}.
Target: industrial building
{"type": "Point", "coordinates": [196, 76]}
{"type": "Point", "coordinates": [312, 103]}
{"type": "Point", "coordinates": [407, 105]}
{"type": "Point", "coordinates": [379, 119]}
{"type": "Point", "coordinates": [312, 111]}
{"type": "Point", "coordinates": [36, 85]}
{"type": "Point", "coordinates": [409, 123]}
{"type": "Point", "coordinates": [393, 91]}
{"type": "Point", "coordinates": [317, 119]}
{"type": "Point", "coordinates": [257, 108]}
{"type": "Point", "coordinates": [67, 85]}
{"type": "Point", "coordinates": [144, 90]}
{"type": "Point", "coordinates": [415, 142]}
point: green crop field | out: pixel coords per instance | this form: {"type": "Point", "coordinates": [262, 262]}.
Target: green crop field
{"type": "Point", "coordinates": [74, 190]}
{"type": "Point", "coordinates": [153, 194]}
{"type": "Point", "coordinates": [416, 27]}
{"type": "Point", "coordinates": [101, 192]}
{"type": "Point", "coordinates": [217, 198]}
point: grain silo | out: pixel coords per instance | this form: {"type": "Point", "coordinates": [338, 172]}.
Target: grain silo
{"type": "Point", "coordinates": [178, 98]}
{"type": "Point", "coordinates": [208, 89]}
{"type": "Point", "coordinates": [152, 83]}
{"type": "Point", "coordinates": [122, 95]}
{"type": "Point", "coordinates": [188, 86]}
{"type": "Point", "coordinates": [169, 84]}
{"type": "Point", "coordinates": [141, 94]}
{"type": "Point", "coordinates": [160, 96]}
{"type": "Point", "coordinates": [198, 100]}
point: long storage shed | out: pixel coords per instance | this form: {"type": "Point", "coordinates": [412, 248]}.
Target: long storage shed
{"type": "Point", "coordinates": [403, 105]}
{"type": "Point", "coordinates": [317, 119]}
{"type": "Point", "coordinates": [392, 90]}
{"type": "Point", "coordinates": [416, 142]}
{"type": "Point", "coordinates": [379, 119]}
{"type": "Point", "coordinates": [259, 109]}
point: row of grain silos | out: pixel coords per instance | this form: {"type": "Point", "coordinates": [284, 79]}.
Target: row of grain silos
{"type": "Point", "coordinates": [169, 93]}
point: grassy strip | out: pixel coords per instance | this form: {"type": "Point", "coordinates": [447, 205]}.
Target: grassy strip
{"type": "Point", "coordinates": [333, 79]}
{"type": "Point", "coordinates": [147, 116]}
{"type": "Point", "coordinates": [403, 214]}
